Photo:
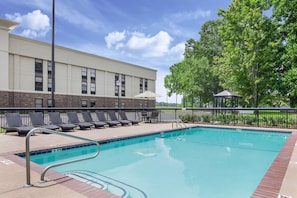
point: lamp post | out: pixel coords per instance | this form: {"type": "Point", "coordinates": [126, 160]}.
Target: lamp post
{"type": "Point", "coordinates": [53, 56]}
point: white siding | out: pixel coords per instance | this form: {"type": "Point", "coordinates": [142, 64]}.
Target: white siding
{"type": "Point", "coordinates": [17, 58]}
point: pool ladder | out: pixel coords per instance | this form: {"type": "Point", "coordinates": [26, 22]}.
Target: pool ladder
{"type": "Point", "coordinates": [179, 123]}
{"type": "Point", "coordinates": [42, 130]}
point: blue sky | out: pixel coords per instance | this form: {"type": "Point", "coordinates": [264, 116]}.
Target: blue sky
{"type": "Point", "coordinates": [150, 33]}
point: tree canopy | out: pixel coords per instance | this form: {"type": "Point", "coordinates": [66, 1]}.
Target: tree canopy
{"type": "Point", "coordinates": [193, 77]}
{"type": "Point", "coordinates": [251, 50]}
{"type": "Point", "coordinates": [249, 53]}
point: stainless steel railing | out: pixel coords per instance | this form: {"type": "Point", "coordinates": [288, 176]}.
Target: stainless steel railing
{"type": "Point", "coordinates": [178, 123]}
{"type": "Point", "coordinates": [40, 130]}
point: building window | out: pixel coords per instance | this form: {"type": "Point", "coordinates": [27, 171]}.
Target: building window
{"type": "Point", "coordinates": [49, 68]}
{"type": "Point", "coordinates": [140, 85]}
{"type": "Point", "coordinates": [38, 102]}
{"type": "Point", "coordinates": [84, 103]}
{"type": "Point", "coordinates": [116, 84]}
{"type": "Point", "coordinates": [123, 85]}
{"type": "Point", "coordinates": [116, 104]}
{"type": "Point", "coordinates": [84, 80]}
{"type": "Point", "coordinates": [49, 103]}
{"type": "Point", "coordinates": [84, 72]}
{"type": "Point", "coordinates": [49, 76]}
{"type": "Point", "coordinates": [92, 103]}
{"type": "Point", "coordinates": [93, 74]}
{"type": "Point", "coordinates": [49, 84]}
{"type": "Point", "coordinates": [38, 66]}
{"type": "Point", "coordinates": [145, 85]}
{"type": "Point", "coordinates": [38, 83]}
{"type": "Point", "coordinates": [93, 88]}
{"type": "Point", "coordinates": [84, 87]}
{"type": "Point", "coordinates": [93, 81]}
{"type": "Point", "coordinates": [143, 104]}
{"type": "Point", "coordinates": [122, 105]}
{"type": "Point", "coordinates": [38, 75]}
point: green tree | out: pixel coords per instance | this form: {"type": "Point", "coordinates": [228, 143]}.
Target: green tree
{"type": "Point", "coordinates": [193, 77]}
{"type": "Point", "coordinates": [172, 82]}
{"type": "Point", "coordinates": [247, 64]}
{"type": "Point", "coordinates": [285, 14]}
{"type": "Point", "coordinates": [210, 44]}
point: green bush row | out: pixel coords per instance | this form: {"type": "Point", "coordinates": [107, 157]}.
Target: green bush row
{"type": "Point", "coordinates": [235, 119]}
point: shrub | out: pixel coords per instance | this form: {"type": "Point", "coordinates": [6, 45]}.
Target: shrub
{"type": "Point", "coordinates": [250, 120]}
{"type": "Point", "coordinates": [189, 117]}
{"type": "Point", "coordinates": [206, 118]}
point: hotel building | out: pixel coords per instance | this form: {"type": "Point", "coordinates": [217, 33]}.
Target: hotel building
{"type": "Point", "coordinates": [81, 79]}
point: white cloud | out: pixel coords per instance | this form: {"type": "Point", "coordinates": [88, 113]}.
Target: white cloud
{"type": "Point", "coordinates": [154, 46]}
{"type": "Point", "coordinates": [137, 42]}
{"type": "Point", "coordinates": [154, 51]}
{"type": "Point", "coordinates": [80, 13]}
{"type": "Point", "coordinates": [119, 45]}
{"type": "Point", "coordinates": [34, 24]}
{"type": "Point", "coordinates": [179, 50]}
{"type": "Point", "coordinates": [113, 38]}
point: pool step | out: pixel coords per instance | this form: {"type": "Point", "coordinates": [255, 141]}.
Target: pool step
{"type": "Point", "coordinates": [108, 184]}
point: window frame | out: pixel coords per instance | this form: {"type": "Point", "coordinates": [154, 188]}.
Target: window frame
{"type": "Point", "coordinates": [84, 80]}
{"type": "Point", "coordinates": [38, 102]}
{"type": "Point", "coordinates": [38, 83]}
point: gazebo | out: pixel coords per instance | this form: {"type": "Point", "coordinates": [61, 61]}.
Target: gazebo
{"type": "Point", "coordinates": [226, 99]}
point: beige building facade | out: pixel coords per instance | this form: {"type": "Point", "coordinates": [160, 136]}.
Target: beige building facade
{"type": "Point", "coordinates": [81, 79]}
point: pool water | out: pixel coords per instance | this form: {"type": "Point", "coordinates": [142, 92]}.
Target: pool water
{"type": "Point", "coordinates": [197, 162]}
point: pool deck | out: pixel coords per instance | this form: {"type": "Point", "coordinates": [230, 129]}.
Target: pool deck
{"type": "Point", "coordinates": [13, 171]}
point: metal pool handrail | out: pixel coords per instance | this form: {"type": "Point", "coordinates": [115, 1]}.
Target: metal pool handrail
{"type": "Point", "coordinates": [40, 130]}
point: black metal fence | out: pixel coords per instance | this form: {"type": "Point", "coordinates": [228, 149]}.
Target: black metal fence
{"type": "Point", "coordinates": [256, 117]}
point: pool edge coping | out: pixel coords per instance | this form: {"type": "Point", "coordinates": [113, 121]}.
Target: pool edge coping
{"type": "Point", "coordinates": [263, 189]}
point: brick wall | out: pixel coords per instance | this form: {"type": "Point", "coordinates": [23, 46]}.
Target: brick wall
{"type": "Point", "coordinates": [20, 99]}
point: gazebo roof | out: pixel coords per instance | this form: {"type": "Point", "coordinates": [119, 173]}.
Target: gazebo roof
{"type": "Point", "coordinates": [227, 94]}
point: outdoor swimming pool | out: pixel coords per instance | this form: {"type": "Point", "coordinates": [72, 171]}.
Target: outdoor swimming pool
{"type": "Point", "coordinates": [197, 162]}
